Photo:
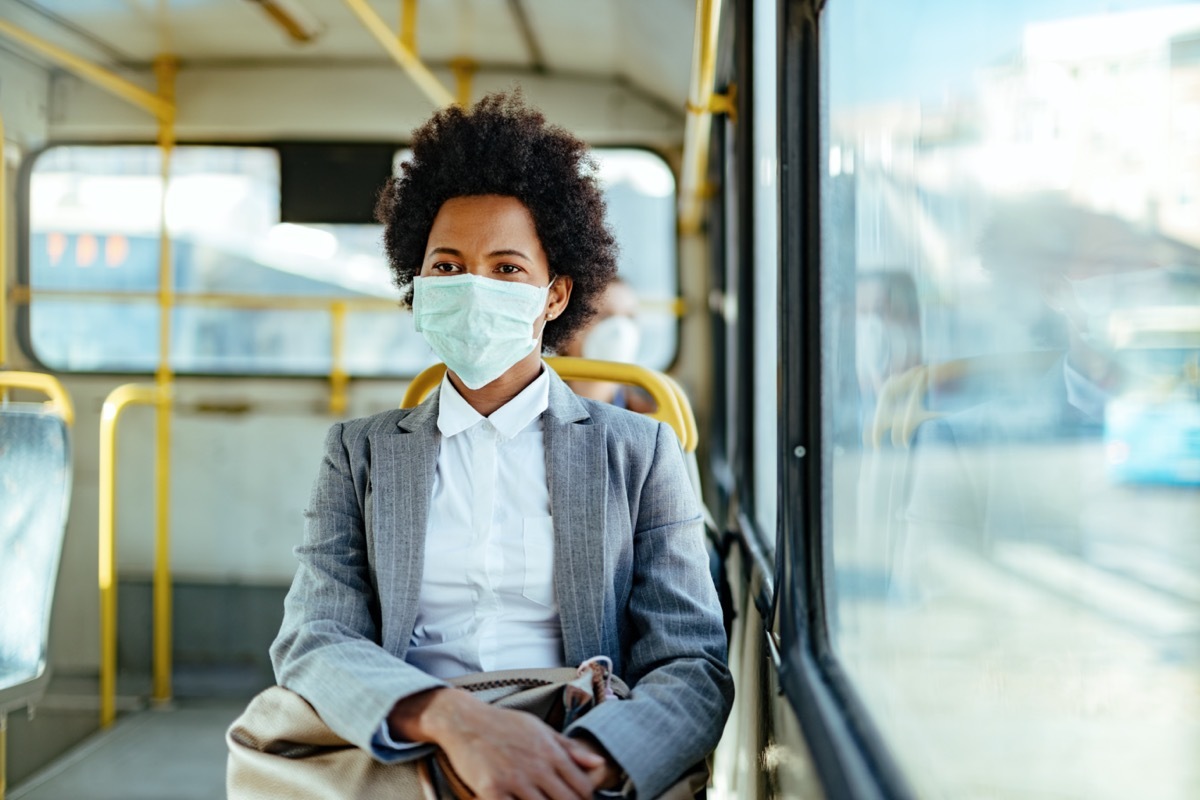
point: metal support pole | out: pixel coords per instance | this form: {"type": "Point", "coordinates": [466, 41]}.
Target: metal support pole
{"type": "Point", "coordinates": [464, 77]}
{"type": "Point", "coordinates": [425, 80]}
{"type": "Point", "coordinates": [114, 404]}
{"type": "Point", "coordinates": [698, 127]}
{"type": "Point", "coordinates": [164, 69]}
{"type": "Point", "coordinates": [3, 253]}
{"type": "Point", "coordinates": [408, 25]}
{"type": "Point", "coordinates": [338, 379]}
{"type": "Point", "coordinates": [96, 75]}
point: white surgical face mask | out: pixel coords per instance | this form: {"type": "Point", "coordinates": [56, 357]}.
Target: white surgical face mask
{"type": "Point", "coordinates": [613, 339]}
{"type": "Point", "coordinates": [480, 327]}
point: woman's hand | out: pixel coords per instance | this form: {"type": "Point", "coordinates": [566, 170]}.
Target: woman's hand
{"type": "Point", "coordinates": [498, 752]}
{"type": "Point", "coordinates": [605, 776]}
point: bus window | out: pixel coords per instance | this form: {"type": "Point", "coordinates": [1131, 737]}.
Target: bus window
{"type": "Point", "coordinates": [255, 295]}
{"type": "Point", "coordinates": [765, 334]}
{"type": "Point", "coordinates": [639, 189]}
{"type": "Point", "coordinates": [1011, 236]}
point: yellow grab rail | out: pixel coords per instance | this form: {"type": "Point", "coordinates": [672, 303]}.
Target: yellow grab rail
{"type": "Point", "coordinates": [702, 103]}
{"type": "Point", "coordinates": [689, 417]}
{"type": "Point", "coordinates": [116, 402]}
{"type": "Point", "coordinates": [92, 73]}
{"type": "Point", "coordinates": [666, 393]}
{"type": "Point", "coordinates": [425, 80]}
{"type": "Point", "coordinates": [3, 251]}
{"type": "Point", "coordinates": [59, 402]}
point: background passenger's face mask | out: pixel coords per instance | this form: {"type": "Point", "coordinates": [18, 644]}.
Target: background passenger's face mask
{"type": "Point", "coordinates": [613, 339]}
{"type": "Point", "coordinates": [480, 327]}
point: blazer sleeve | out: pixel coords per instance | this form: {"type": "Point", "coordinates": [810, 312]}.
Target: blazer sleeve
{"type": "Point", "coordinates": [328, 650]}
{"type": "Point", "coordinates": [676, 663]}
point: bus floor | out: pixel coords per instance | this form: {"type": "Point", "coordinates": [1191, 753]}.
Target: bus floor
{"type": "Point", "coordinates": [174, 753]}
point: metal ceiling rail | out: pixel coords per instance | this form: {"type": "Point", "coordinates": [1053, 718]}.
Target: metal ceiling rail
{"type": "Point", "coordinates": [92, 73]}
{"type": "Point", "coordinates": [425, 80]}
{"type": "Point", "coordinates": [703, 101]}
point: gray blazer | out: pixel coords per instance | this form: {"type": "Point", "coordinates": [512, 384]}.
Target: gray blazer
{"type": "Point", "coordinates": [631, 577]}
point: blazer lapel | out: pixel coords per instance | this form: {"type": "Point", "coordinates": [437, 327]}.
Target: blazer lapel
{"type": "Point", "coordinates": [577, 474]}
{"type": "Point", "coordinates": [403, 463]}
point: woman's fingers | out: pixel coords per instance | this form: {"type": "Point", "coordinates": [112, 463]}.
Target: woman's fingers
{"type": "Point", "coordinates": [502, 753]}
{"type": "Point", "coordinates": [577, 777]}
{"type": "Point", "coordinates": [582, 755]}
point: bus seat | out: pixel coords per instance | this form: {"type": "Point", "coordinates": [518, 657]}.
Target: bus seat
{"type": "Point", "coordinates": [35, 486]}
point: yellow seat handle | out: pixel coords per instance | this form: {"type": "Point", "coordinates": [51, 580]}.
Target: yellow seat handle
{"type": "Point", "coordinates": [59, 402]}
{"type": "Point", "coordinates": [672, 406]}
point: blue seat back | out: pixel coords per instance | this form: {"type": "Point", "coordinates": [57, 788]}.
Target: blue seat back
{"type": "Point", "coordinates": [35, 486]}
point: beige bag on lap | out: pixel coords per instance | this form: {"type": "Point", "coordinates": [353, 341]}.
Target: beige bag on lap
{"type": "Point", "coordinates": [280, 748]}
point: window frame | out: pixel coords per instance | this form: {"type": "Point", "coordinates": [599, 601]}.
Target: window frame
{"type": "Point", "coordinates": [22, 317]}
{"type": "Point", "coordinates": [849, 753]}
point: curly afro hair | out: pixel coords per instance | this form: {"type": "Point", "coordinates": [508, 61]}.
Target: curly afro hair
{"type": "Point", "coordinates": [503, 147]}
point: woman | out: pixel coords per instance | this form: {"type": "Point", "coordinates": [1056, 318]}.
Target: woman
{"type": "Point", "coordinates": [505, 523]}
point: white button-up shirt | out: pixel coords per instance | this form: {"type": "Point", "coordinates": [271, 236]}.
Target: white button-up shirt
{"type": "Point", "coordinates": [487, 592]}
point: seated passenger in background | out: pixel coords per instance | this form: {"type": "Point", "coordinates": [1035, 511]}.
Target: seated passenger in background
{"type": "Point", "coordinates": [505, 522]}
{"type": "Point", "coordinates": [612, 335]}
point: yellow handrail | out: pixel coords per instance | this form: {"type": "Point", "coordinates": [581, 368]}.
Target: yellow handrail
{"type": "Point", "coordinates": [3, 251]}
{"type": "Point", "coordinates": [24, 293]}
{"type": "Point", "coordinates": [408, 25]}
{"type": "Point", "coordinates": [702, 102]}
{"type": "Point", "coordinates": [59, 402]}
{"type": "Point", "coordinates": [116, 402]}
{"type": "Point", "coordinates": [425, 80]}
{"type": "Point", "coordinates": [660, 388]}
{"type": "Point", "coordinates": [339, 379]}
{"type": "Point", "coordinates": [97, 75]}
{"type": "Point", "coordinates": [689, 417]}
{"type": "Point", "coordinates": [165, 68]}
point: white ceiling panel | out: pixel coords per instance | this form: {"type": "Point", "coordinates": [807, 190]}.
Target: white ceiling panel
{"type": "Point", "coordinates": [218, 30]}
{"type": "Point", "coordinates": [644, 42]}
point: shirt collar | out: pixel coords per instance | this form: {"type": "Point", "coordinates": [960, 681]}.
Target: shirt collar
{"type": "Point", "coordinates": [455, 414]}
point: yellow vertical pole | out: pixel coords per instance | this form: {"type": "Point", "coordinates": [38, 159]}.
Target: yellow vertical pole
{"type": "Point", "coordinates": [107, 537]}
{"type": "Point", "coordinates": [164, 69]}
{"type": "Point", "coordinates": [3, 256]}
{"type": "Point", "coordinates": [464, 77]}
{"type": "Point", "coordinates": [107, 565]}
{"type": "Point", "coordinates": [337, 371]}
{"type": "Point", "coordinates": [408, 25]}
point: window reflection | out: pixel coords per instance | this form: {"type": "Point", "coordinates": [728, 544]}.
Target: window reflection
{"type": "Point", "coordinates": [1012, 224]}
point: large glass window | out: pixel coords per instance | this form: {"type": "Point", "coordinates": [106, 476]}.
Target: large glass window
{"type": "Point", "coordinates": [256, 295]}
{"type": "Point", "coordinates": [1011, 300]}
{"type": "Point", "coordinates": [765, 201]}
